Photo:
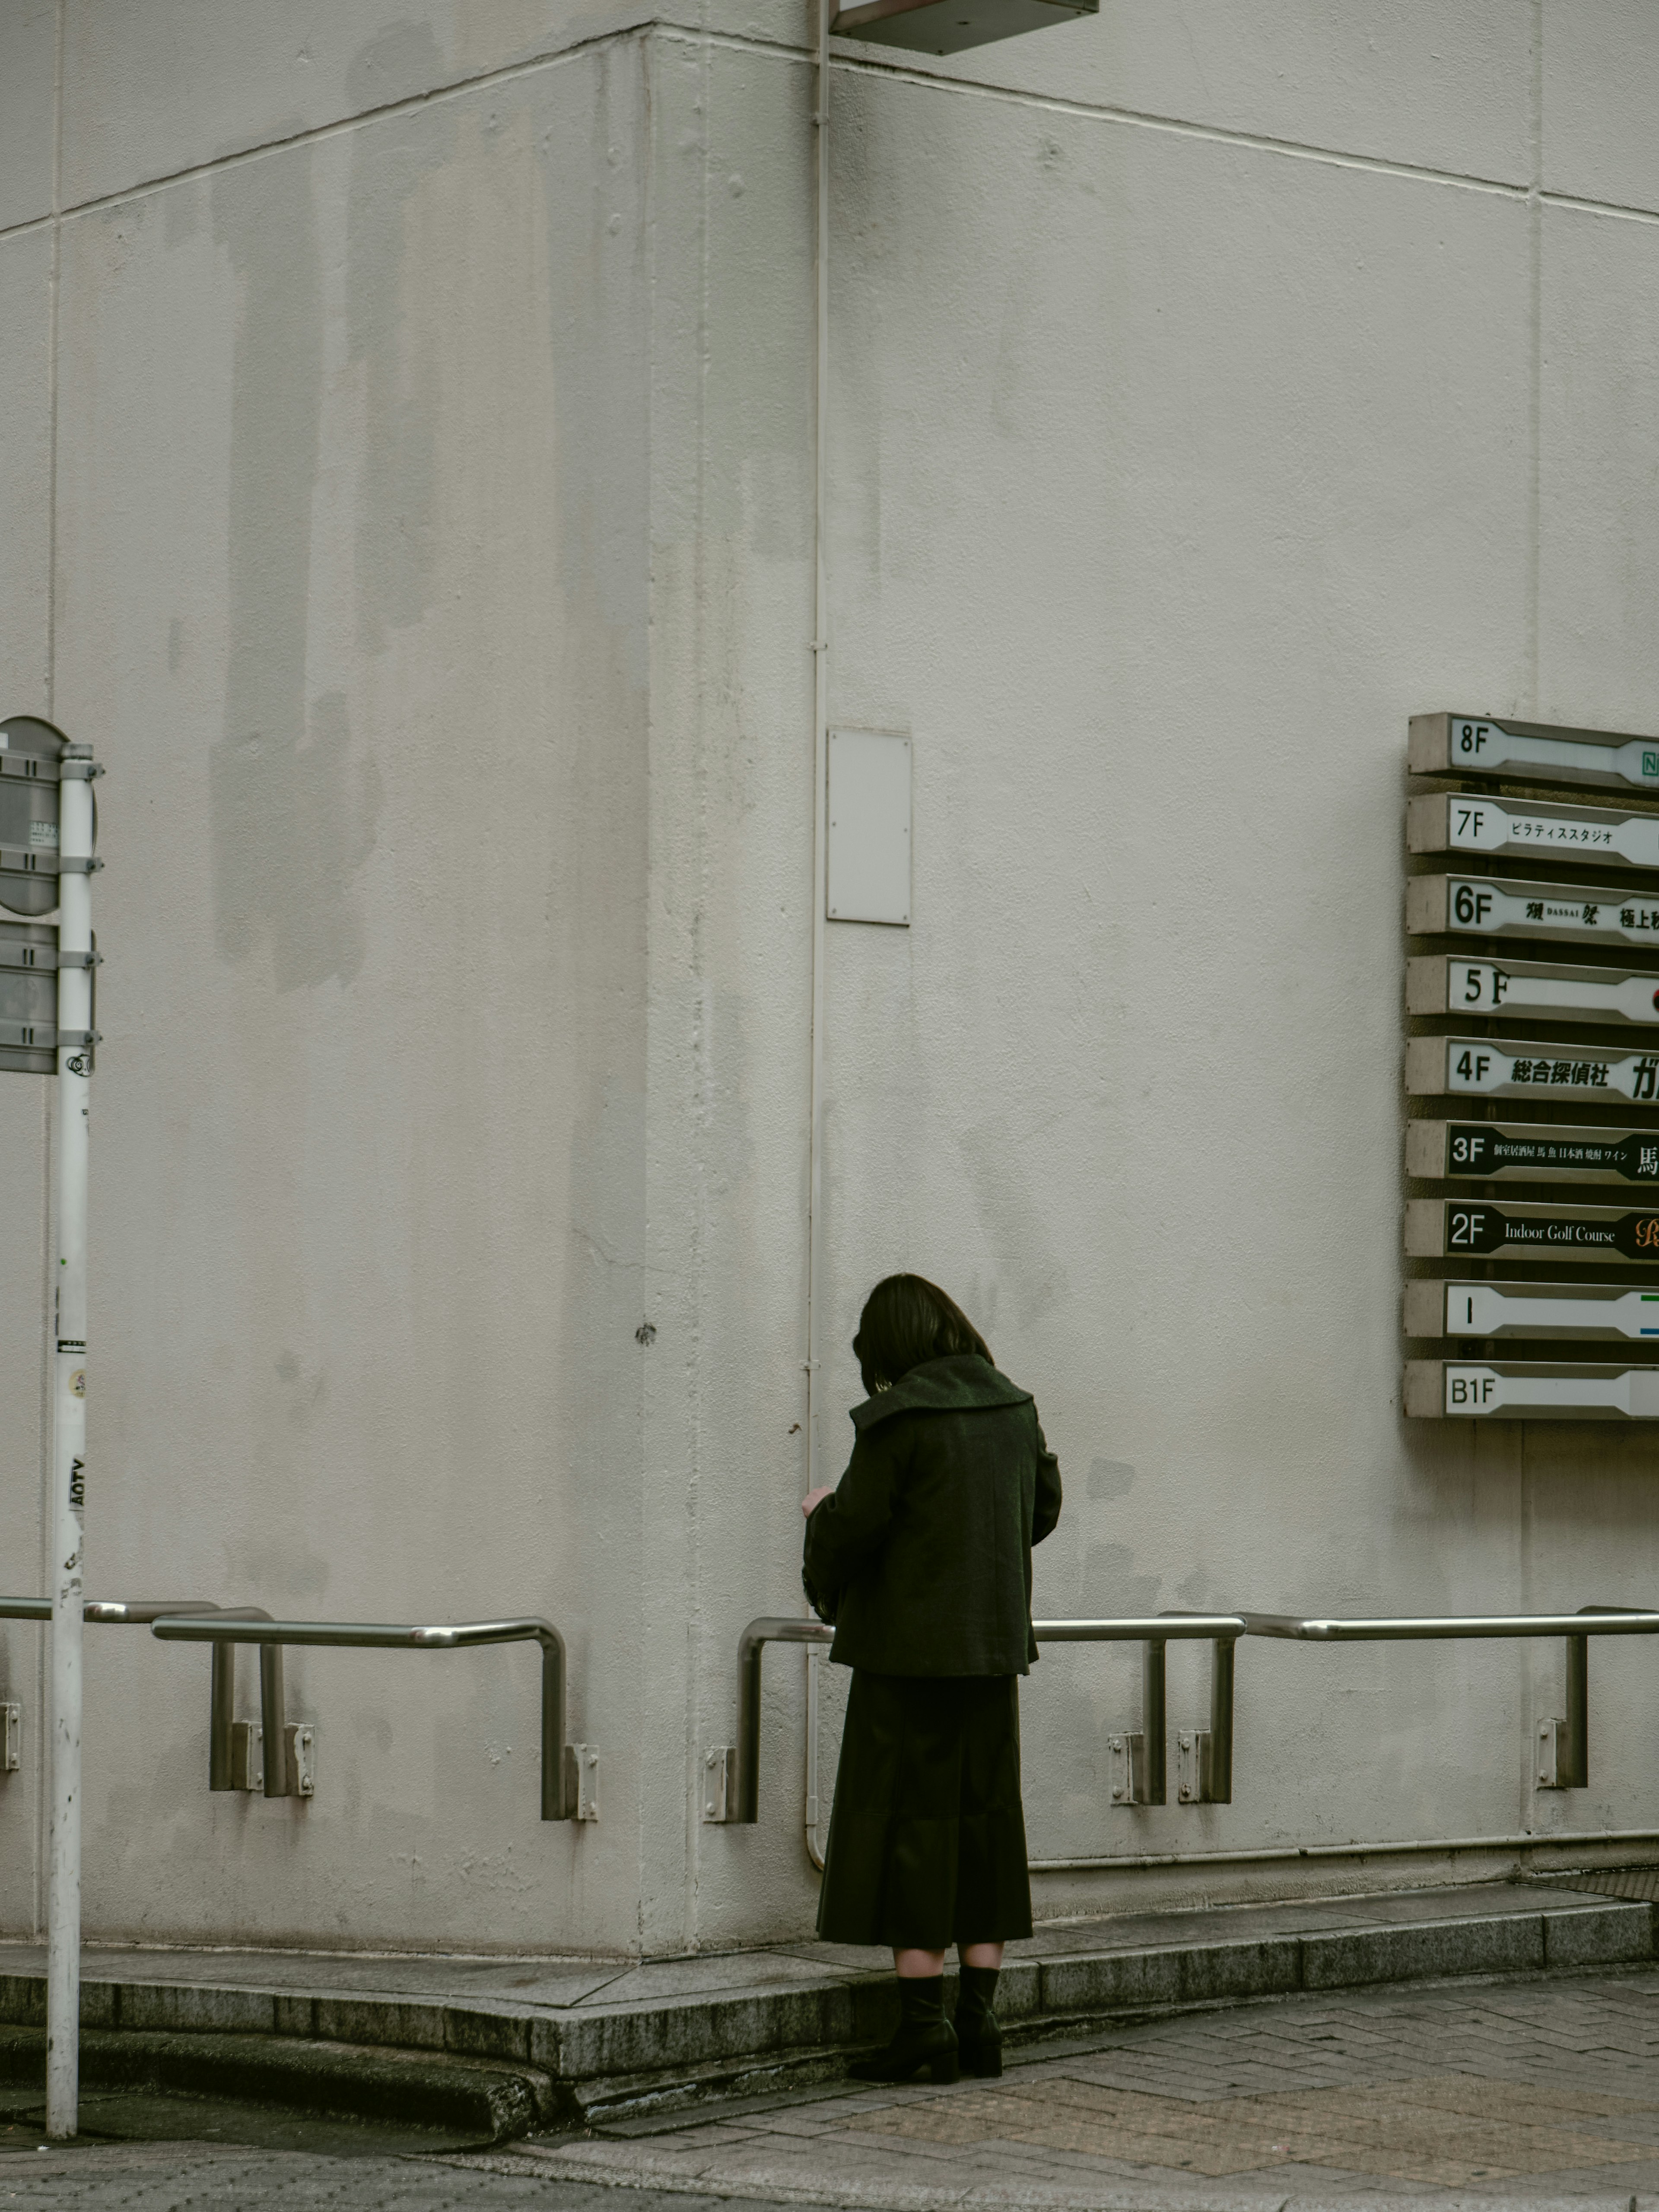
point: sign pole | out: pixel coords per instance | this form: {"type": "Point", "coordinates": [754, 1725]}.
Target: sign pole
{"type": "Point", "coordinates": [68, 1442]}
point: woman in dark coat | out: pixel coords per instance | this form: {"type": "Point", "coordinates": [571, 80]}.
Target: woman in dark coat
{"type": "Point", "coordinates": [922, 1556]}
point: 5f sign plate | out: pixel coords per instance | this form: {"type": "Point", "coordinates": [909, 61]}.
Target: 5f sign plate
{"type": "Point", "coordinates": [1528, 1390]}
{"type": "Point", "coordinates": [1476, 745]}
{"type": "Point", "coordinates": [1455, 821]}
{"type": "Point", "coordinates": [869, 842]}
{"type": "Point", "coordinates": [1515, 990]}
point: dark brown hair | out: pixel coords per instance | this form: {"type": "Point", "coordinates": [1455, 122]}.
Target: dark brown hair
{"type": "Point", "coordinates": [907, 1320]}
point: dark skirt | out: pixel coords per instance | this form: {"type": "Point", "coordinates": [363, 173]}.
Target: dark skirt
{"type": "Point", "coordinates": [927, 1836]}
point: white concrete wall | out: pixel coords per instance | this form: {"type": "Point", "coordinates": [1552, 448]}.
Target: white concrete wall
{"type": "Point", "coordinates": [431, 495]}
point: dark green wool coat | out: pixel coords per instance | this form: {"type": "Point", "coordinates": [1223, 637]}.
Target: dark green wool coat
{"type": "Point", "coordinates": [922, 1556]}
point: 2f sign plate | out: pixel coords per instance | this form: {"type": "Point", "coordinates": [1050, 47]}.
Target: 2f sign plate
{"type": "Point", "coordinates": [869, 842]}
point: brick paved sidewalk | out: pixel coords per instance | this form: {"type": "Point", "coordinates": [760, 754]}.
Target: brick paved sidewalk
{"type": "Point", "coordinates": [1521, 2092]}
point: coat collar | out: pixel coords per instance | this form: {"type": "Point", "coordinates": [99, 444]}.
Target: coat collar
{"type": "Point", "coordinates": [959, 1384]}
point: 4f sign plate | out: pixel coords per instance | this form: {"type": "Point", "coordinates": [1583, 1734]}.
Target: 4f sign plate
{"type": "Point", "coordinates": [1447, 906]}
{"type": "Point", "coordinates": [1527, 1389]}
{"type": "Point", "coordinates": [1584, 1310]}
{"type": "Point", "coordinates": [1476, 745]}
{"type": "Point", "coordinates": [1446, 1151]}
{"type": "Point", "coordinates": [1515, 990]}
{"type": "Point", "coordinates": [1451, 821]}
{"type": "Point", "coordinates": [1526, 1068]}
{"type": "Point", "coordinates": [1457, 1228]}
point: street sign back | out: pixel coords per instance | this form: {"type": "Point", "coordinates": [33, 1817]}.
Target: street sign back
{"type": "Point", "coordinates": [1537, 752]}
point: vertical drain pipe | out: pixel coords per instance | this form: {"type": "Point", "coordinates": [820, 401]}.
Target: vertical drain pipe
{"type": "Point", "coordinates": [820, 802]}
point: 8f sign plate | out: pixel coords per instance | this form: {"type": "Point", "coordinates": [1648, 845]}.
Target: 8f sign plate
{"type": "Point", "coordinates": [1529, 1389]}
{"type": "Point", "coordinates": [1474, 745]}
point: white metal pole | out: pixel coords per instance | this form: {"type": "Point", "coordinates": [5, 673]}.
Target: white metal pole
{"type": "Point", "coordinates": [69, 1448]}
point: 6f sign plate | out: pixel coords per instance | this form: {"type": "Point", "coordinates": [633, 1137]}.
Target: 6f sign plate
{"type": "Point", "coordinates": [1448, 906]}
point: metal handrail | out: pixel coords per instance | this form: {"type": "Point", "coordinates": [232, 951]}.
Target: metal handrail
{"type": "Point", "coordinates": [1221, 1629]}
{"type": "Point", "coordinates": [1572, 1759]}
{"type": "Point", "coordinates": [559, 1778]}
{"type": "Point", "coordinates": [139, 1612]}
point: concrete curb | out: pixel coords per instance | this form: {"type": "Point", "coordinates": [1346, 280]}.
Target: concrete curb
{"type": "Point", "coordinates": [347, 2080]}
{"type": "Point", "coordinates": [589, 2063]}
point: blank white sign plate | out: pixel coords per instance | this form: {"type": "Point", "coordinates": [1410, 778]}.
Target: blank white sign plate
{"type": "Point", "coordinates": [869, 841]}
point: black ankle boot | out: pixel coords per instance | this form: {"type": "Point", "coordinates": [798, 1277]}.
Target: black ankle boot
{"type": "Point", "coordinates": [978, 2036]}
{"type": "Point", "coordinates": [925, 2039]}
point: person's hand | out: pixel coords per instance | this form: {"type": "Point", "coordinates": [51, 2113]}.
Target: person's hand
{"type": "Point", "coordinates": [814, 1498]}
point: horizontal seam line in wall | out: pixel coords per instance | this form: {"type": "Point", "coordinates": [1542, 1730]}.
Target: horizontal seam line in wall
{"type": "Point", "coordinates": [336, 129]}
{"type": "Point", "coordinates": [1564, 1839]}
{"type": "Point", "coordinates": [1140, 119]}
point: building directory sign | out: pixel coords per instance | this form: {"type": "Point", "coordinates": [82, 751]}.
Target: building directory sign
{"type": "Point", "coordinates": [1481, 906]}
{"type": "Point", "coordinates": [1521, 990]}
{"type": "Point", "coordinates": [1527, 1067]}
{"type": "Point", "coordinates": [1555, 1310]}
{"type": "Point", "coordinates": [1484, 1151]}
{"type": "Point", "coordinates": [1535, 752]}
{"type": "Point", "coordinates": [1523, 1389]}
{"type": "Point", "coordinates": [1470, 821]}
{"type": "Point", "coordinates": [1466, 1228]}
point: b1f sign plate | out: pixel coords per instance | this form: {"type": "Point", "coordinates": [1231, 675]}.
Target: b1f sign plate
{"type": "Point", "coordinates": [1583, 1310]}
{"type": "Point", "coordinates": [1447, 906]}
{"type": "Point", "coordinates": [1455, 1228]}
{"type": "Point", "coordinates": [1540, 752]}
{"type": "Point", "coordinates": [1486, 1150]}
{"type": "Point", "coordinates": [869, 841]}
{"type": "Point", "coordinates": [1517, 990]}
{"type": "Point", "coordinates": [1455, 821]}
{"type": "Point", "coordinates": [1526, 1068]}
{"type": "Point", "coordinates": [1528, 1390]}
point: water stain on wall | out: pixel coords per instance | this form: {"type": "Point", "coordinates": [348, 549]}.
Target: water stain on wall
{"type": "Point", "coordinates": [292, 821]}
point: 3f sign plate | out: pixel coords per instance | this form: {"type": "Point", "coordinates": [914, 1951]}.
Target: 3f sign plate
{"type": "Point", "coordinates": [1447, 1151]}
{"type": "Point", "coordinates": [1457, 822]}
{"type": "Point", "coordinates": [869, 841]}
{"type": "Point", "coordinates": [1476, 745]}
{"type": "Point", "coordinates": [1527, 1389]}
{"type": "Point", "coordinates": [1517, 990]}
